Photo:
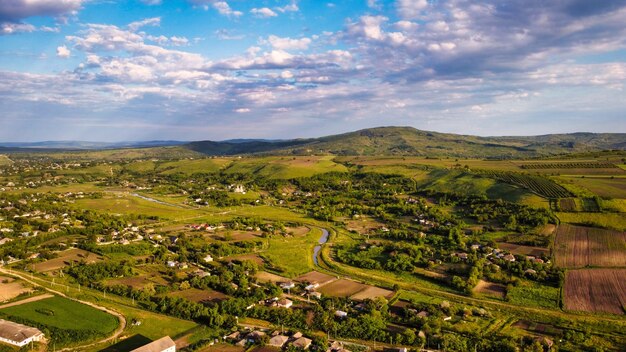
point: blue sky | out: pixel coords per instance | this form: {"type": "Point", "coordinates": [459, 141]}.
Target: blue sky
{"type": "Point", "coordinates": [107, 70]}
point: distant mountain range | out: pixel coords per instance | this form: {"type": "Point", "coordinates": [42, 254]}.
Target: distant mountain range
{"type": "Point", "coordinates": [88, 145]}
{"type": "Point", "coordinates": [374, 141]}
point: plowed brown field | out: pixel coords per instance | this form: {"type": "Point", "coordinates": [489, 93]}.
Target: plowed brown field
{"type": "Point", "coordinates": [579, 246]}
{"type": "Point", "coordinates": [596, 290]}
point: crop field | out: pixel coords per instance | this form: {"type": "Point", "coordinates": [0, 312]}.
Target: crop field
{"type": "Point", "coordinates": [341, 288]}
{"type": "Point", "coordinates": [490, 289]}
{"type": "Point", "coordinates": [537, 184]}
{"type": "Point", "coordinates": [524, 250]}
{"type": "Point", "coordinates": [127, 204]}
{"type": "Point", "coordinates": [66, 258]}
{"type": "Point", "coordinates": [138, 282]}
{"type": "Point", "coordinates": [285, 167]}
{"type": "Point", "coordinates": [363, 225]}
{"type": "Point", "coordinates": [615, 221]}
{"type": "Point", "coordinates": [606, 187]}
{"type": "Point", "coordinates": [578, 246]}
{"type": "Point", "coordinates": [533, 294]}
{"type": "Point", "coordinates": [200, 296]}
{"type": "Point", "coordinates": [189, 167]}
{"type": "Point", "coordinates": [568, 204]}
{"type": "Point", "coordinates": [11, 288]}
{"type": "Point", "coordinates": [253, 257]}
{"type": "Point", "coordinates": [571, 165]}
{"type": "Point", "coordinates": [264, 276]}
{"type": "Point", "coordinates": [596, 290]}
{"type": "Point", "coordinates": [292, 255]}
{"type": "Point", "coordinates": [297, 231]}
{"type": "Point", "coordinates": [234, 236]}
{"type": "Point", "coordinates": [315, 277]}
{"type": "Point", "coordinates": [371, 292]}
{"type": "Point", "coordinates": [222, 347]}
{"type": "Point", "coordinates": [63, 313]}
{"type": "Point", "coordinates": [614, 205]}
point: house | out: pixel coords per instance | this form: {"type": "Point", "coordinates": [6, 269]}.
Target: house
{"type": "Point", "coordinates": [423, 314]}
{"type": "Point", "coordinates": [232, 337]}
{"type": "Point", "coordinates": [208, 258]}
{"type": "Point", "coordinates": [18, 334]}
{"type": "Point", "coordinates": [284, 303]}
{"type": "Point", "coordinates": [255, 336]}
{"type": "Point", "coordinates": [302, 343]}
{"type": "Point", "coordinates": [172, 264]}
{"type": "Point", "coordinates": [509, 257]}
{"type": "Point", "coordinates": [278, 341]}
{"type": "Point", "coordinates": [287, 285]}
{"type": "Point", "coordinates": [341, 314]}
{"type": "Point", "coordinates": [317, 295]}
{"type": "Point", "coordinates": [312, 287]}
{"type": "Point", "coordinates": [337, 346]}
{"type": "Point", "coordinates": [164, 344]}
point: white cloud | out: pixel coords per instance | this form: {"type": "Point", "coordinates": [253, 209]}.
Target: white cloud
{"type": "Point", "coordinates": [292, 7]}
{"type": "Point", "coordinates": [410, 9]}
{"type": "Point", "coordinates": [288, 43]}
{"type": "Point", "coordinates": [13, 28]}
{"type": "Point", "coordinates": [155, 22]}
{"type": "Point", "coordinates": [263, 12]}
{"type": "Point", "coordinates": [152, 2]}
{"type": "Point", "coordinates": [241, 110]}
{"type": "Point", "coordinates": [15, 10]}
{"type": "Point", "coordinates": [373, 4]}
{"type": "Point", "coordinates": [63, 52]}
{"type": "Point", "coordinates": [223, 8]}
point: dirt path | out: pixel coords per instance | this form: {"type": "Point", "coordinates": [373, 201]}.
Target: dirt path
{"type": "Point", "coordinates": [120, 317]}
{"type": "Point", "coordinates": [31, 299]}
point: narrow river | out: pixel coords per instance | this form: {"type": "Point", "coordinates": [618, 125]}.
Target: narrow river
{"type": "Point", "coordinates": [316, 250]}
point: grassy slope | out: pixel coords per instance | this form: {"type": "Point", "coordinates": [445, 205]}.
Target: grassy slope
{"type": "Point", "coordinates": [4, 160]}
{"type": "Point", "coordinates": [410, 141]}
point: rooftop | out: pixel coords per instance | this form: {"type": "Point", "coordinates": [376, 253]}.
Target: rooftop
{"type": "Point", "coordinates": [16, 332]}
{"type": "Point", "coordinates": [156, 346]}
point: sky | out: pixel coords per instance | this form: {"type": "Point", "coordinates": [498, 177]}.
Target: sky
{"type": "Point", "coordinates": [131, 70]}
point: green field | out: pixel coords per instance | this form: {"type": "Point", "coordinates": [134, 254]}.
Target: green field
{"type": "Point", "coordinates": [615, 221]}
{"type": "Point", "coordinates": [533, 294]}
{"type": "Point", "coordinates": [189, 167]}
{"type": "Point", "coordinates": [460, 182]}
{"type": "Point", "coordinates": [285, 167]}
{"type": "Point", "coordinates": [63, 313]}
{"type": "Point", "coordinates": [125, 203]}
{"type": "Point", "coordinates": [605, 187]}
{"type": "Point", "coordinates": [292, 255]}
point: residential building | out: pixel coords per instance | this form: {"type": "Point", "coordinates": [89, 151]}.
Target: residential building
{"type": "Point", "coordinates": [164, 344]}
{"type": "Point", "coordinates": [19, 335]}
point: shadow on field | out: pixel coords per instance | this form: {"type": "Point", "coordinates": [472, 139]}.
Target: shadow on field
{"type": "Point", "coordinates": [128, 344]}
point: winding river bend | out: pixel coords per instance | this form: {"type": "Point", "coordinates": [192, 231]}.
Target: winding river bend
{"type": "Point", "coordinates": [316, 250]}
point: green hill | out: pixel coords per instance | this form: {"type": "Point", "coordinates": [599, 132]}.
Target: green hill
{"type": "Point", "coordinates": [411, 141]}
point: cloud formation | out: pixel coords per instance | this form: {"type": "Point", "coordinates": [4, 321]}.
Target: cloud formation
{"type": "Point", "coordinates": [452, 65]}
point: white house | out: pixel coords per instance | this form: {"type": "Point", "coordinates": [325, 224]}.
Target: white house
{"type": "Point", "coordinates": [18, 334]}
{"type": "Point", "coordinates": [164, 344]}
{"type": "Point", "coordinates": [284, 303]}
